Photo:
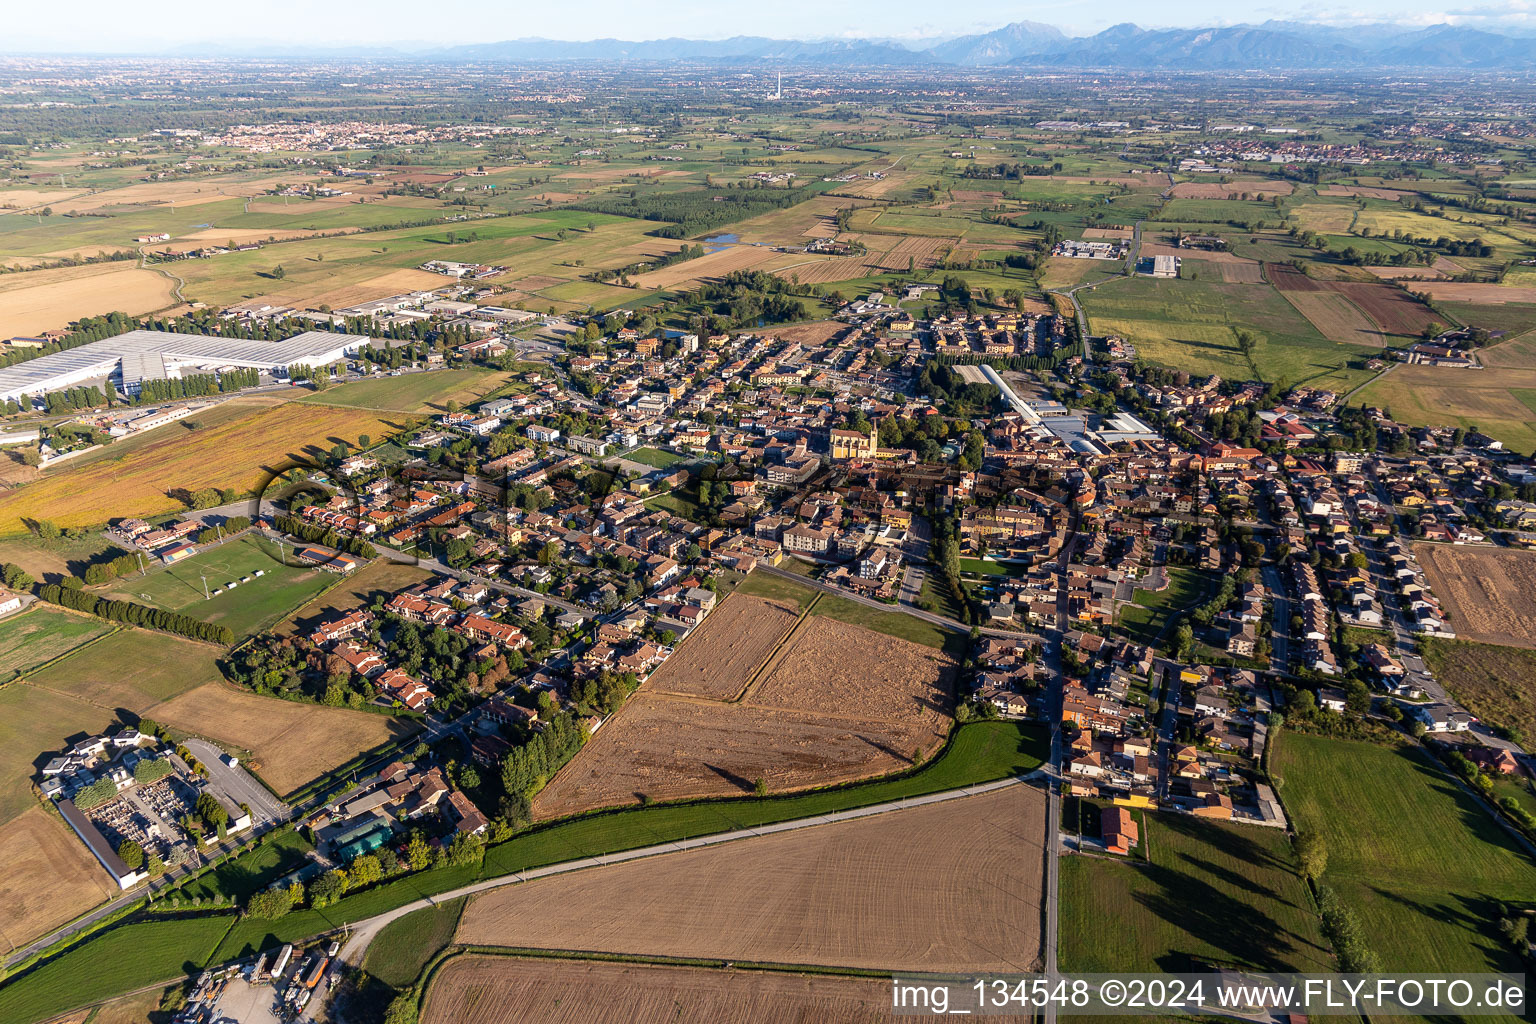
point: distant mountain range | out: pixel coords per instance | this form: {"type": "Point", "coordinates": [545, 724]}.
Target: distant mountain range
{"type": "Point", "coordinates": [1271, 46]}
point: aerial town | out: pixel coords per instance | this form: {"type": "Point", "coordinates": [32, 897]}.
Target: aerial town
{"type": "Point", "coordinates": [562, 534]}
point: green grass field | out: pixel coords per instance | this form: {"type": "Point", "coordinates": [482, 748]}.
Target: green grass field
{"type": "Point", "coordinates": [120, 960]}
{"type": "Point", "coordinates": [35, 724]}
{"type": "Point", "coordinates": [1491, 681]}
{"type": "Point", "coordinates": [978, 752]}
{"type": "Point", "coordinates": [412, 392]}
{"type": "Point", "coordinates": [1421, 863]}
{"type": "Point", "coordinates": [41, 633]}
{"type": "Point", "coordinates": [403, 947]}
{"type": "Point", "coordinates": [1210, 891]}
{"type": "Point", "coordinates": [1192, 324]}
{"type": "Point", "coordinates": [132, 668]}
{"type": "Point", "coordinates": [252, 871]}
{"type": "Point", "coordinates": [1154, 609]}
{"type": "Point", "coordinates": [248, 607]}
{"type": "Point", "coordinates": [655, 457]}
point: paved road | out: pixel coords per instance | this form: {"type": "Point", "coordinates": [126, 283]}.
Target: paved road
{"type": "Point", "coordinates": [363, 932]}
{"type": "Point", "coordinates": [238, 784]}
{"type": "Point", "coordinates": [1280, 620]}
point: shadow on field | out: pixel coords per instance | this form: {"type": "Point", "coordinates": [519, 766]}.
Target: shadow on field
{"type": "Point", "coordinates": [747, 785]}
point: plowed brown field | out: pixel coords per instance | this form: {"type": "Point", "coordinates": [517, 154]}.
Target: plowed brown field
{"type": "Point", "coordinates": [291, 742]}
{"type": "Point", "coordinates": [1489, 593]}
{"type": "Point", "coordinates": [521, 990]}
{"type": "Point", "coordinates": [835, 704]}
{"type": "Point", "coordinates": [954, 886]}
{"type": "Point", "coordinates": [719, 658]}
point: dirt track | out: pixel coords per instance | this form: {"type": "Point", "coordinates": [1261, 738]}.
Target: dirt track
{"type": "Point", "coordinates": [953, 886]}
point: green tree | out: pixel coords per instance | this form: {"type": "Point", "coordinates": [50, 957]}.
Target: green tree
{"type": "Point", "coordinates": [1312, 852]}
{"type": "Point", "coordinates": [327, 889]}
{"type": "Point", "coordinates": [132, 854]}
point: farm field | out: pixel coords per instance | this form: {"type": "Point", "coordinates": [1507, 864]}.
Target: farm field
{"type": "Point", "coordinates": [1192, 324]}
{"type": "Point", "coordinates": [50, 560]}
{"type": "Point", "coordinates": [1489, 593]}
{"type": "Point", "coordinates": [707, 267]}
{"type": "Point", "coordinates": [403, 947]}
{"type": "Point", "coordinates": [41, 633]}
{"type": "Point", "coordinates": [46, 300]}
{"type": "Point", "coordinates": [132, 669]}
{"type": "Point", "coordinates": [1257, 188]}
{"type": "Point", "coordinates": [1476, 294]}
{"type": "Point", "coordinates": [980, 752]}
{"type": "Point", "coordinates": [378, 579]}
{"type": "Point", "coordinates": [509, 990]}
{"type": "Point", "coordinates": [245, 608]}
{"type": "Point", "coordinates": [1498, 402]}
{"type": "Point", "coordinates": [124, 959]}
{"type": "Point", "coordinates": [1517, 353]}
{"type": "Point", "coordinates": [1209, 890]}
{"type": "Point", "coordinates": [1394, 311]}
{"type": "Point", "coordinates": [810, 717]}
{"type": "Point", "coordinates": [289, 742]}
{"type": "Point", "coordinates": [1492, 682]}
{"type": "Point", "coordinates": [36, 724]}
{"type": "Point", "coordinates": [720, 657]}
{"type": "Point", "coordinates": [1336, 317]}
{"type": "Point", "coordinates": [951, 886]}
{"type": "Point", "coordinates": [412, 392]}
{"type": "Point", "coordinates": [50, 876]}
{"type": "Point", "coordinates": [1422, 905]}
{"type": "Point", "coordinates": [224, 453]}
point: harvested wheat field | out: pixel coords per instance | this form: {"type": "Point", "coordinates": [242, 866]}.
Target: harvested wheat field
{"type": "Point", "coordinates": [1482, 294]}
{"type": "Point", "coordinates": [954, 886]}
{"type": "Point", "coordinates": [187, 192]}
{"type": "Point", "coordinates": [1149, 248]}
{"type": "Point", "coordinates": [1488, 593]}
{"type": "Point", "coordinates": [1389, 194]}
{"type": "Point", "coordinates": [814, 332]}
{"type": "Point", "coordinates": [533, 990]}
{"type": "Point", "coordinates": [824, 666]}
{"type": "Point", "coordinates": [234, 446]}
{"type": "Point", "coordinates": [1336, 317]}
{"type": "Point", "coordinates": [712, 265]}
{"type": "Point", "coordinates": [1254, 188]}
{"type": "Point", "coordinates": [1408, 273]}
{"type": "Point", "coordinates": [50, 878]}
{"type": "Point", "coordinates": [46, 300]}
{"type": "Point", "coordinates": [721, 656]}
{"type": "Point", "coordinates": [381, 287]}
{"type": "Point", "coordinates": [828, 269]}
{"type": "Point", "coordinates": [1124, 234]}
{"type": "Point", "coordinates": [290, 742]}
{"type": "Point", "coordinates": [1240, 273]}
{"type": "Point", "coordinates": [816, 714]}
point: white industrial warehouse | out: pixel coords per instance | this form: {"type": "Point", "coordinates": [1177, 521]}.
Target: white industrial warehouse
{"type": "Point", "coordinates": [155, 355]}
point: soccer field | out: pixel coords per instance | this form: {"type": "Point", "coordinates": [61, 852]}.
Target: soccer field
{"type": "Point", "coordinates": [245, 607]}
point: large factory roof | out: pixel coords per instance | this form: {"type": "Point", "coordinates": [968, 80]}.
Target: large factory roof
{"type": "Point", "coordinates": [145, 354]}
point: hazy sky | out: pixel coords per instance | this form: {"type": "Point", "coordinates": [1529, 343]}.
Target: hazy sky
{"type": "Point", "coordinates": [153, 25]}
